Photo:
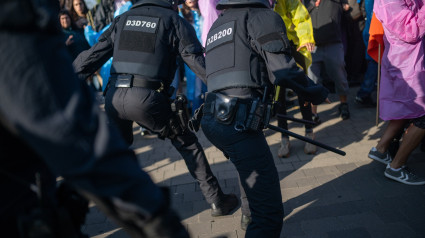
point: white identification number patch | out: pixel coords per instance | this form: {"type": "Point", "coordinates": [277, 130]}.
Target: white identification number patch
{"type": "Point", "coordinates": [141, 23]}
{"type": "Point", "coordinates": [219, 35]}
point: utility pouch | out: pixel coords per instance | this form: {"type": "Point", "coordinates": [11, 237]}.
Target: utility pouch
{"type": "Point", "coordinates": [181, 111]}
{"type": "Point", "coordinates": [174, 127]}
{"type": "Point", "coordinates": [257, 112]}
{"type": "Point", "coordinates": [124, 81]}
{"type": "Point", "coordinates": [225, 108]}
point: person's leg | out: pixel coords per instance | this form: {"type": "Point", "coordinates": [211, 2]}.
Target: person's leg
{"type": "Point", "coordinates": [335, 67]}
{"type": "Point", "coordinates": [260, 182]}
{"type": "Point", "coordinates": [251, 155]}
{"type": "Point", "coordinates": [152, 110]}
{"type": "Point", "coordinates": [189, 148]}
{"type": "Point", "coordinates": [307, 115]}
{"type": "Point", "coordinates": [383, 151]}
{"type": "Point", "coordinates": [393, 128]}
{"type": "Point", "coordinates": [113, 107]}
{"type": "Point", "coordinates": [246, 213]}
{"type": "Point", "coordinates": [411, 139]}
{"type": "Point", "coordinates": [314, 73]}
{"type": "Point", "coordinates": [369, 84]}
{"type": "Point", "coordinates": [397, 169]}
{"type": "Point", "coordinates": [284, 148]}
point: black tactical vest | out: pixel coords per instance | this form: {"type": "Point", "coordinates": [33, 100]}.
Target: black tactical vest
{"type": "Point", "coordinates": [141, 44]}
{"type": "Point", "coordinates": [230, 61]}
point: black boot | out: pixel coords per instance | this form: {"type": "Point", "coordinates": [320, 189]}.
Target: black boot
{"type": "Point", "coordinates": [245, 220]}
{"type": "Point", "coordinates": [343, 110]}
{"type": "Point", "coordinates": [226, 204]}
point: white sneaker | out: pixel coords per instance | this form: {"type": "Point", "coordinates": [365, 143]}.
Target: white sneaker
{"type": "Point", "coordinates": [403, 175]}
{"type": "Point", "coordinates": [285, 146]}
{"type": "Point", "coordinates": [384, 158]}
{"type": "Point", "coordinates": [310, 148]}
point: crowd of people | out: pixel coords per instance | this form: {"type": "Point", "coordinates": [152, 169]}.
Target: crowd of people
{"type": "Point", "coordinates": [237, 59]}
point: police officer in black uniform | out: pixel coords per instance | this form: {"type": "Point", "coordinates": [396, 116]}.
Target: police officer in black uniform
{"type": "Point", "coordinates": [50, 126]}
{"type": "Point", "coordinates": [247, 52]}
{"type": "Point", "coordinates": [144, 43]}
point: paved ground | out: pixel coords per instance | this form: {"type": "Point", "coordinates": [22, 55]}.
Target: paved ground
{"type": "Point", "coordinates": [324, 195]}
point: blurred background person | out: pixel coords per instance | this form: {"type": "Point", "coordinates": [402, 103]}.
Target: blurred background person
{"type": "Point", "coordinates": [79, 13]}
{"type": "Point", "coordinates": [75, 40]}
{"type": "Point", "coordinates": [328, 55]}
{"type": "Point", "coordinates": [300, 34]}
{"type": "Point", "coordinates": [368, 86]}
{"type": "Point", "coordinates": [194, 85]}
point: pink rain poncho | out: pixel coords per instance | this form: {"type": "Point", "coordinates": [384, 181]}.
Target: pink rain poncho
{"type": "Point", "coordinates": [210, 14]}
{"type": "Point", "coordinates": [402, 87]}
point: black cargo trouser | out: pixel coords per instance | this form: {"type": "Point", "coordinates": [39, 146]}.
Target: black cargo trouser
{"type": "Point", "coordinates": [250, 154]}
{"type": "Point", "coordinates": [152, 111]}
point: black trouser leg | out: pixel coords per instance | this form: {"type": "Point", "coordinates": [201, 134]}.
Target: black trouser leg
{"type": "Point", "coordinates": [193, 154]}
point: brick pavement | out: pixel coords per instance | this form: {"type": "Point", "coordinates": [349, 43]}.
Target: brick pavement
{"type": "Point", "coordinates": [324, 195]}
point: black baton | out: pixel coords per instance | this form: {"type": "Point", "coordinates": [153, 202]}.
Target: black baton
{"type": "Point", "coordinates": [312, 123]}
{"type": "Point", "coordinates": [303, 138]}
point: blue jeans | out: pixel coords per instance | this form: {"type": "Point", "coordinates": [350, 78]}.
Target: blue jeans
{"type": "Point", "coordinates": [369, 81]}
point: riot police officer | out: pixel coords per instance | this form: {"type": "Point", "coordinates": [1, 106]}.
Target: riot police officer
{"type": "Point", "coordinates": [50, 126]}
{"type": "Point", "coordinates": [247, 52]}
{"type": "Point", "coordinates": [144, 43]}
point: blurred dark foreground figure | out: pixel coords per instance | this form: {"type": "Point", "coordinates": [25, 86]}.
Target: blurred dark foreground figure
{"type": "Point", "coordinates": [50, 126]}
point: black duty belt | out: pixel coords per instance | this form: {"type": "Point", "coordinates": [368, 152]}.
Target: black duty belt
{"type": "Point", "coordinates": [133, 80]}
{"type": "Point", "coordinates": [210, 99]}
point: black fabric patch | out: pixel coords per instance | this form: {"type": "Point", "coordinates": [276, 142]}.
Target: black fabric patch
{"type": "Point", "coordinates": [269, 37]}
{"type": "Point", "coordinates": [220, 58]}
{"type": "Point", "coordinates": [139, 34]}
{"type": "Point", "coordinates": [137, 41]}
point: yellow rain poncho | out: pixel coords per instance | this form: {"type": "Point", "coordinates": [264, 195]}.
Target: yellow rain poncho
{"type": "Point", "coordinates": [298, 25]}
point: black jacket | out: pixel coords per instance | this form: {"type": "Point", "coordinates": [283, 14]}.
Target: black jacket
{"type": "Point", "coordinates": [254, 46]}
{"type": "Point", "coordinates": [327, 20]}
{"type": "Point", "coordinates": [146, 50]}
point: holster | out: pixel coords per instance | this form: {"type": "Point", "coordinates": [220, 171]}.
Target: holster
{"type": "Point", "coordinates": [225, 108]}
{"type": "Point", "coordinates": [178, 122]}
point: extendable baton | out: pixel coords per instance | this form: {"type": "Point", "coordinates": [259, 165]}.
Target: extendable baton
{"type": "Point", "coordinates": [312, 123]}
{"type": "Point", "coordinates": [303, 138]}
